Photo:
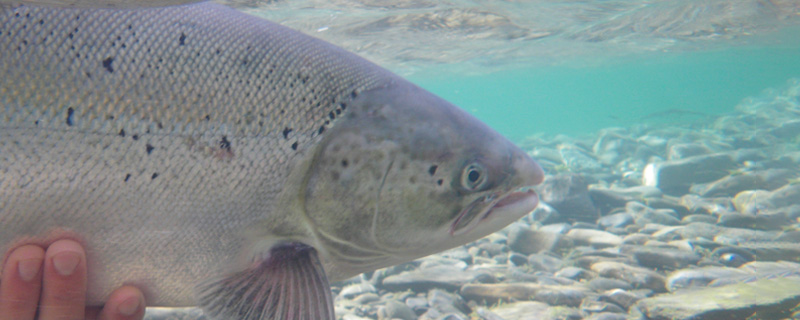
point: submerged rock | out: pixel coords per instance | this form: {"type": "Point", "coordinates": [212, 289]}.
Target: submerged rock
{"type": "Point", "coordinates": [569, 195]}
{"type": "Point", "coordinates": [736, 301]}
{"type": "Point", "coordinates": [675, 177]}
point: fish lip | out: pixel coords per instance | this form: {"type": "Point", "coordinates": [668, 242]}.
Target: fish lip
{"type": "Point", "coordinates": [521, 199]}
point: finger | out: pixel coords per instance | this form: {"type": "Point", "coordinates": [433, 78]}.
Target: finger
{"type": "Point", "coordinates": [126, 303]}
{"type": "Point", "coordinates": [21, 283]}
{"type": "Point", "coordinates": [64, 284]}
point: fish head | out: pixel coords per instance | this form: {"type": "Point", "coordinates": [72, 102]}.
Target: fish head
{"type": "Point", "coordinates": [403, 174]}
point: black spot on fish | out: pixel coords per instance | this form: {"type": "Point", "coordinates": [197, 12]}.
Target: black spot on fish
{"type": "Point", "coordinates": [338, 111]}
{"type": "Point", "coordinates": [159, 125]}
{"type": "Point", "coordinates": [294, 146]}
{"type": "Point", "coordinates": [41, 21]}
{"type": "Point", "coordinates": [343, 105]}
{"type": "Point", "coordinates": [208, 118]}
{"type": "Point", "coordinates": [155, 175]}
{"type": "Point", "coordinates": [122, 133]}
{"type": "Point", "coordinates": [224, 143]}
{"type": "Point", "coordinates": [149, 148]}
{"type": "Point", "coordinates": [321, 130]}
{"type": "Point", "coordinates": [439, 182]}
{"type": "Point", "coordinates": [286, 132]}
{"type": "Point", "coordinates": [36, 122]}
{"type": "Point", "coordinates": [70, 112]}
{"type": "Point", "coordinates": [107, 64]}
{"type": "Point", "coordinates": [432, 169]}
{"type": "Point", "coordinates": [353, 95]}
{"type": "Point", "coordinates": [110, 117]}
{"type": "Point", "coordinates": [182, 39]}
{"type": "Point", "coordinates": [88, 75]}
{"type": "Point", "coordinates": [331, 115]}
{"type": "Point", "coordinates": [135, 137]}
{"type": "Point", "coordinates": [344, 163]}
{"type": "Point", "coordinates": [130, 27]}
{"type": "Point", "coordinates": [127, 176]}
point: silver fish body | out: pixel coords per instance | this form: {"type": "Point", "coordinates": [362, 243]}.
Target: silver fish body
{"type": "Point", "coordinates": [182, 143]}
{"type": "Point", "coordinates": [100, 3]}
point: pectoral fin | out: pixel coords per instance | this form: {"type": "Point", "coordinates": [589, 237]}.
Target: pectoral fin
{"type": "Point", "coordinates": [289, 284]}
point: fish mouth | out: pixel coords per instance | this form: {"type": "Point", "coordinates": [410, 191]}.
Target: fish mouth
{"type": "Point", "coordinates": [510, 206]}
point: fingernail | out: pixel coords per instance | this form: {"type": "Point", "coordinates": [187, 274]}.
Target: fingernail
{"type": "Point", "coordinates": [129, 306]}
{"type": "Point", "coordinates": [28, 268]}
{"type": "Point", "coordinates": [66, 262]}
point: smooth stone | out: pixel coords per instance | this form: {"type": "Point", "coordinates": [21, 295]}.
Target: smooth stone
{"type": "Point", "coordinates": [443, 302]}
{"type": "Point", "coordinates": [445, 277]}
{"type": "Point", "coordinates": [575, 273]}
{"type": "Point", "coordinates": [532, 310]}
{"type": "Point", "coordinates": [636, 239]}
{"type": "Point", "coordinates": [527, 241]}
{"type": "Point", "coordinates": [668, 202]}
{"type": "Point", "coordinates": [576, 159]}
{"type": "Point", "coordinates": [396, 310]}
{"type": "Point", "coordinates": [751, 201]}
{"type": "Point", "coordinates": [561, 295]}
{"type": "Point", "coordinates": [761, 221]}
{"type": "Point", "coordinates": [699, 277]}
{"type": "Point", "coordinates": [607, 200]}
{"type": "Point", "coordinates": [594, 305]}
{"type": "Point", "coordinates": [757, 270]}
{"type": "Point", "coordinates": [785, 196]}
{"type": "Point", "coordinates": [675, 177]}
{"type": "Point", "coordinates": [733, 256]}
{"type": "Point", "coordinates": [366, 298]}
{"type": "Point", "coordinates": [735, 301]}
{"type": "Point", "coordinates": [699, 205]}
{"type": "Point", "coordinates": [458, 253]}
{"type": "Point", "coordinates": [544, 214]}
{"type": "Point", "coordinates": [638, 277]}
{"type": "Point", "coordinates": [621, 297]}
{"type": "Point", "coordinates": [561, 228]}
{"type": "Point", "coordinates": [569, 195]}
{"type": "Point", "coordinates": [606, 316]}
{"type": "Point", "coordinates": [595, 238]}
{"type": "Point", "coordinates": [787, 130]}
{"type": "Point", "coordinates": [699, 218]}
{"type": "Point", "coordinates": [685, 150]}
{"type": "Point", "coordinates": [494, 292]}
{"type": "Point", "coordinates": [418, 304]}
{"type": "Point", "coordinates": [601, 284]}
{"type": "Point", "coordinates": [664, 258]}
{"type": "Point", "coordinates": [353, 290]}
{"type": "Point", "coordinates": [769, 179]}
{"type": "Point", "coordinates": [617, 220]}
{"type": "Point", "coordinates": [544, 262]}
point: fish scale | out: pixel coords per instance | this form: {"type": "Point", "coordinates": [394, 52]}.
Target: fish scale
{"type": "Point", "coordinates": [189, 107]}
{"type": "Point", "coordinates": [210, 157]}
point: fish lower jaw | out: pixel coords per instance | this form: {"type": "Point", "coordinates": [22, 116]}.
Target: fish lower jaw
{"type": "Point", "coordinates": [516, 203]}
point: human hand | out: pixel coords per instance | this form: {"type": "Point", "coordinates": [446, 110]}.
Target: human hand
{"type": "Point", "coordinates": [58, 289]}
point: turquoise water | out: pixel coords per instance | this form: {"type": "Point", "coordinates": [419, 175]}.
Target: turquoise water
{"type": "Point", "coordinates": [581, 96]}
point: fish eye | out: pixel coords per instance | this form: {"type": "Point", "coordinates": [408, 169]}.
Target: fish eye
{"type": "Point", "coordinates": [473, 177]}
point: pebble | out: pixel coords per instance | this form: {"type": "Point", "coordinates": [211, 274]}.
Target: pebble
{"type": "Point", "coordinates": [527, 241]}
{"type": "Point", "coordinates": [664, 258]}
{"type": "Point", "coordinates": [445, 277]}
{"type": "Point", "coordinates": [596, 238]}
{"type": "Point", "coordinates": [675, 177]}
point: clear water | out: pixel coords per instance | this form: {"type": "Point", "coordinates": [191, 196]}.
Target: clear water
{"type": "Point", "coordinates": [577, 97]}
